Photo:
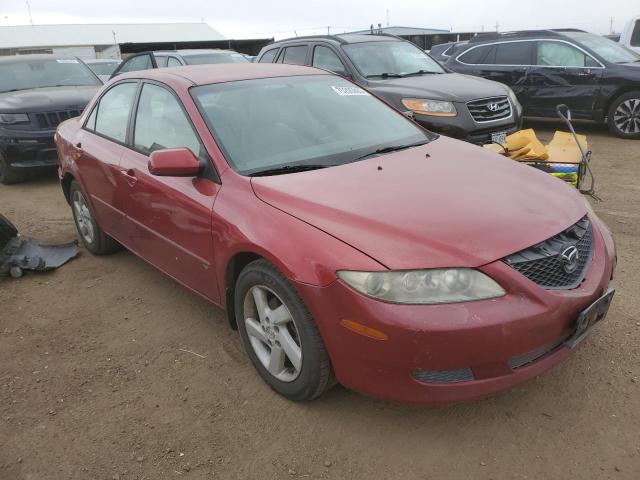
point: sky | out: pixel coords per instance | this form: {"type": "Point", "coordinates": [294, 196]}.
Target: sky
{"type": "Point", "coordinates": [284, 18]}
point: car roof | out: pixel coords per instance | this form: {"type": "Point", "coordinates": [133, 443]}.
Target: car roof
{"type": "Point", "coordinates": [34, 56]}
{"type": "Point", "coordinates": [345, 38]}
{"type": "Point", "coordinates": [100, 60]}
{"type": "Point", "coordinates": [219, 73]}
{"type": "Point", "coordinates": [187, 52]}
{"type": "Point", "coordinates": [491, 37]}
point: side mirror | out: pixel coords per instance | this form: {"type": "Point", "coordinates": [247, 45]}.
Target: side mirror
{"type": "Point", "coordinates": [176, 162]}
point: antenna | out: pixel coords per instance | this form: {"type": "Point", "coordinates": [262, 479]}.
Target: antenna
{"type": "Point", "coordinates": [29, 10]}
{"type": "Point", "coordinates": [387, 17]}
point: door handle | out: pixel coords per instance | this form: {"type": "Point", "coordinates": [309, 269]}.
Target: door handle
{"type": "Point", "coordinates": [129, 176]}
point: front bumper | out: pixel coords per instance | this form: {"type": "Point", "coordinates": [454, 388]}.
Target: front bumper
{"type": "Point", "coordinates": [489, 338]}
{"type": "Point", "coordinates": [464, 127]}
{"type": "Point", "coordinates": [28, 149]}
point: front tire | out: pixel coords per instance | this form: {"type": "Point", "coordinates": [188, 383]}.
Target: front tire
{"type": "Point", "coordinates": [280, 335]}
{"type": "Point", "coordinates": [96, 241]}
{"type": "Point", "coordinates": [623, 118]}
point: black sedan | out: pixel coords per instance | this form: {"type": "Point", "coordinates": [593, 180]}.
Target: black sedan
{"type": "Point", "coordinates": [597, 78]}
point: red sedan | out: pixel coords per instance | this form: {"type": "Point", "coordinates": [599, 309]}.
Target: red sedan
{"type": "Point", "coordinates": [345, 242]}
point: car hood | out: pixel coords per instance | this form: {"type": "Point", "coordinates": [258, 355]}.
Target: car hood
{"type": "Point", "coordinates": [47, 99]}
{"type": "Point", "coordinates": [444, 204]}
{"type": "Point", "coordinates": [444, 86]}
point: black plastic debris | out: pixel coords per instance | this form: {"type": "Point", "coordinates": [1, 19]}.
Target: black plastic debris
{"type": "Point", "coordinates": [18, 254]}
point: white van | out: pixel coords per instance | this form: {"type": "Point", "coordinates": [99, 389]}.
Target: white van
{"type": "Point", "coordinates": [630, 37]}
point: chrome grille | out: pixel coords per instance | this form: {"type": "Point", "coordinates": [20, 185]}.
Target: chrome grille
{"type": "Point", "coordinates": [489, 109]}
{"type": "Point", "coordinates": [51, 120]}
{"type": "Point", "coordinates": [543, 263]}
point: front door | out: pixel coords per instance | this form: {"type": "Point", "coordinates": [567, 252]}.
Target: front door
{"type": "Point", "coordinates": [563, 74]}
{"type": "Point", "coordinates": [168, 218]}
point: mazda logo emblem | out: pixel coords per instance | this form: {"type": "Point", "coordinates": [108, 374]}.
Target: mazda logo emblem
{"type": "Point", "coordinates": [493, 107]}
{"type": "Point", "coordinates": [570, 257]}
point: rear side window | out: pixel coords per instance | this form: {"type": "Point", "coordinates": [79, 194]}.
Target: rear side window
{"type": "Point", "coordinates": [268, 56]}
{"type": "Point", "coordinates": [325, 58]}
{"type": "Point", "coordinates": [514, 53]}
{"type": "Point", "coordinates": [560, 54]}
{"type": "Point", "coordinates": [141, 62]}
{"type": "Point", "coordinates": [161, 61]}
{"type": "Point", "coordinates": [173, 62]}
{"type": "Point", "coordinates": [295, 55]}
{"type": "Point", "coordinates": [477, 55]}
{"type": "Point", "coordinates": [635, 36]}
{"type": "Point", "coordinates": [161, 123]}
{"type": "Point", "coordinates": [110, 116]}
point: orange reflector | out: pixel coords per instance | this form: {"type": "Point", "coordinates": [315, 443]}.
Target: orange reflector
{"type": "Point", "coordinates": [363, 330]}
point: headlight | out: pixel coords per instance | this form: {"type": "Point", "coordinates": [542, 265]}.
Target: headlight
{"type": "Point", "coordinates": [424, 286]}
{"type": "Point", "coordinates": [430, 107]}
{"type": "Point", "coordinates": [513, 98]}
{"type": "Point", "coordinates": [11, 118]}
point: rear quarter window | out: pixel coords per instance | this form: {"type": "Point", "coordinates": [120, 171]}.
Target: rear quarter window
{"type": "Point", "coordinates": [478, 55]}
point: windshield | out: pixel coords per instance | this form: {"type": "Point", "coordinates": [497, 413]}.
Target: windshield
{"type": "Point", "coordinates": [23, 74]}
{"type": "Point", "coordinates": [211, 58]}
{"type": "Point", "coordinates": [103, 68]}
{"type": "Point", "coordinates": [609, 50]}
{"type": "Point", "coordinates": [375, 59]}
{"type": "Point", "coordinates": [319, 120]}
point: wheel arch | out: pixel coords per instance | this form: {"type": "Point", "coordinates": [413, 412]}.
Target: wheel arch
{"type": "Point", "coordinates": [65, 183]}
{"type": "Point", "coordinates": [235, 264]}
{"type": "Point", "coordinates": [618, 93]}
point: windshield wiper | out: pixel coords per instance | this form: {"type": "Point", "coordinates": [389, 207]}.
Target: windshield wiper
{"type": "Point", "coordinates": [385, 75]}
{"type": "Point", "coordinates": [392, 148]}
{"type": "Point", "coordinates": [419, 72]}
{"type": "Point", "coordinates": [287, 169]}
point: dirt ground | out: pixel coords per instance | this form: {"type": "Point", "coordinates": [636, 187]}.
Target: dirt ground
{"type": "Point", "coordinates": [110, 370]}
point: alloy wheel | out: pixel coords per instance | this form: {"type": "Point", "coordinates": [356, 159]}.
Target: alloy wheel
{"type": "Point", "coordinates": [627, 116]}
{"type": "Point", "coordinates": [272, 333]}
{"type": "Point", "coordinates": [83, 217]}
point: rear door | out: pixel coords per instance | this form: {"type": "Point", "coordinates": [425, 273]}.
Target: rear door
{"type": "Point", "coordinates": [168, 219]}
{"type": "Point", "coordinates": [97, 150]}
{"type": "Point", "coordinates": [563, 74]}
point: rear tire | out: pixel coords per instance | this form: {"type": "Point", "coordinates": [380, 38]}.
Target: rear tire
{"type": "Point", "coordinates": [92, 236]}
{"type": "Point", "coordinates": [285, 345]}
{"type": "Point", "coordinates": [623, 118]}
{"type": "Point", "coordinates": [8, 174]}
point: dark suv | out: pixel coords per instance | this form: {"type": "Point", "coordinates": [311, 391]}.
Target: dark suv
{"type": "Point", "coordinates": [37, 92]}
{"type": "Point", "coordinates": [178, 58]}
{"type": "Point", "coordinates": [597, 78]}
{"type": "Point", "coordinates": [409, 80]}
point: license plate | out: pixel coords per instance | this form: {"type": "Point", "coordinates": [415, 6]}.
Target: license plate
{"type": "Point", "coordinates": [499, 138]}
{"type": "Point", "coordinates": [590, 318]}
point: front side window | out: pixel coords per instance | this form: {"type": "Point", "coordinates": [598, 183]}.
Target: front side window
{"type": "Point", "coordinates": [295, 55]}
{"type": "Point", "coordinates": [24, 74]}
{"type": "Point", "coordinates": [173, 62]}
{"type": "Point", "coordinates": [161, 123]}
{"type": "Point", "coordinates": [380, 59]}
{"type": "Point", "coordinates": [325, 58]}
{"type": "Point", "coordinates": [560, 54]}
{"type": "Point", "coordinates": [141, 62]}
{"type": "Point", "coordinates": [268, 56]}
{"type": "Point", "coordinates": [161, 61]}
{"type": "Point", "coordinates": [302, 120]}
{"type": "Point", "coordinates": [110, 117]}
